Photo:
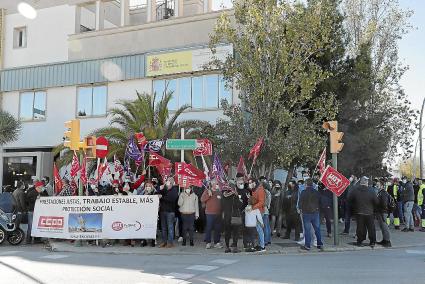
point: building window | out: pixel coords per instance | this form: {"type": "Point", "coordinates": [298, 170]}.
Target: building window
{"type": "Point", "coordinates": [20, 37]}
{"type": "Point", "coordinates": [199, 92]}
{"type": "Point", "coordinates": [32, 105]}
{"type": "Point", "coordinates": [91, 101]}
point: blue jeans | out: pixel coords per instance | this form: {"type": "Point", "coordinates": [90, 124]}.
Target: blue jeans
{"type": "Point", "coordinates": [213, 223]}
{"type": "Point", "coordinates": [408, 216]}
{"type": "Point", "coordinates": [400, 211]}
{"type": "Point", "coordinates": [267, 229]}
{"type": "Point", "coordinates": [310, 219]}
{"type": "Point", "coordinates": [260, 232]}
{"type": "Point", "coordinates": [167, 226]}
{"type": "Point", "coordinates": [30, 215]}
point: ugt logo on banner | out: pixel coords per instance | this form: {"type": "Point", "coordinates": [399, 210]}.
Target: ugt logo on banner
{"type": "Point", "coordinates": [334, 181]}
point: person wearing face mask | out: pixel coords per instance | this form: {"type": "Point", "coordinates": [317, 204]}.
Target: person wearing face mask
{"type": "Point", "coordinates": [148, 190]}
{"type": "Point", "coordinates": [92, 189]}
{"type": "Point", "coordinates": [212, 200]}
{"type": "Point", "coordinates": [326, 206]}
{"type": "Point", "coordinates": [394, 190]}
{"type": "Point", "coordinates": [167, 211]}
{"type": "Point", "coordinates": [189, 209]}
{"type": "Point", "coordinates": [293, 220]}
{"type": "Point", "coordinates": [381, 214]}
{"type": "Point", "coordinates": [232, 210]}
{"type": "Point", "coordinates": [408, 198]}
{"type": "Point", "coordinates": [258, 199]}
{"type": "Point", "coordinates": [276, 208]}
{"type": "Point", "coordinates": [242, 188]}
{"type": "Point", "coordinates": [347, 206]}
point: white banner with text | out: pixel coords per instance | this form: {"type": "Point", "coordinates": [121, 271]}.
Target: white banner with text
{"type": "Point", "coordinates": [96, 217]}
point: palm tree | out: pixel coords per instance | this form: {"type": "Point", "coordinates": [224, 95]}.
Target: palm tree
{"type": "Point", "coordinates": [9, 128]}
{"type": "Point", "coordinates": [141, 115]}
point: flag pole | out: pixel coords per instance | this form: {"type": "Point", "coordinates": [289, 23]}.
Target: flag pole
{"type": "Point", "coordinates": [252, 165]}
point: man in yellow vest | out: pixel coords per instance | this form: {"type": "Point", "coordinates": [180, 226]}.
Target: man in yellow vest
{"type": "Point", "coordinates": [393, 190]}
{"type": "Point", "coordinates": [421, 193]}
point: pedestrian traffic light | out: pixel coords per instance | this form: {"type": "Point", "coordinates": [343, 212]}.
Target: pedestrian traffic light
{"type": "Point", "coordinates": [335, 136]}
{"type": "Point", "coordinates": [89, 146]}
{"type": "Point", "coordinates": [72, 134]}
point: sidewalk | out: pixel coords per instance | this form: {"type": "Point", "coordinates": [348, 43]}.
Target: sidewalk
{"type": "Point", "coordinates": [279, 246]}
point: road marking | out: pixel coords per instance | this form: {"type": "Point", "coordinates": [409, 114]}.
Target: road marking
{"type": "Point", "coordinates": [54, 256]}
{"type": "Point", "coordinates": [224, 261]}
{"type": "Point", "coordinates": [177, 275]}
{"type": "Point", "coordinates": [10, 252]}
{"type": "Point", "coordinates": [415, 251]}
{"type": "Point", "coordinates": [202, 267]}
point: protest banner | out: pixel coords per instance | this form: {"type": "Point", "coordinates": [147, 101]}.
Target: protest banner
{"type": "Point", "coordinates": [334, 181]}
{"type": "Point", "coordinates": [96, 217]}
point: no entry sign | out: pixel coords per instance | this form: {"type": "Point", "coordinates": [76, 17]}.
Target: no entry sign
{"type": "Point", "coordinates": [101, 147]}
{"type": "Point", "coordinates": [334, 180]}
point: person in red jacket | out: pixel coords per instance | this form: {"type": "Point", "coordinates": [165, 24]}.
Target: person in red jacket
{"type": "Point", "coordinates": [258, 197]}
{"type": "Point", "coordinates": [212, 200]}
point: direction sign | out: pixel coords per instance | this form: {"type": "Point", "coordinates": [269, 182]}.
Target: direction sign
{"type": "Point", "coordinates": [101, 147]}
{"type": "Point", "coordinates": [181, 144]}
{"type": "Point", "coordinates": [334, 181]}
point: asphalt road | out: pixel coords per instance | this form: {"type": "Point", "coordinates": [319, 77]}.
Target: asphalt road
{"type": "Point", "coordinates": [37, 265]}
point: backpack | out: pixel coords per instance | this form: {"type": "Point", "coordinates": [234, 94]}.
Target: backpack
{"type": "Point", "coordinates": [391, 203]}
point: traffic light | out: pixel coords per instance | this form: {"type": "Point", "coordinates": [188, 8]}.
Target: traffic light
{"type": "Point", "coordinates": [72, 134]}
{"type": "Point", "coordinates": [335, 136]}
{"type": "Point", "coordinates": [89, 146]}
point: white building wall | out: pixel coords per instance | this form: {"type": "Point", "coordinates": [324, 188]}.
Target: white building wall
{"type": "Point", "coordinates": [47, 36]}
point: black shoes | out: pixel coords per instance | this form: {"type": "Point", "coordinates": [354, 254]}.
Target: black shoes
{"type": "Point", "coordinates": [191, 243]}
{"type": "Point", "coordinates": [227, 250]}
{"type": "Point", "coordinates": [405, 230]}
{"type": "Point", "coordinates": [184, 242]}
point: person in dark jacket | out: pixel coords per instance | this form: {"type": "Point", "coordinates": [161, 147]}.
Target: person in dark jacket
{"type": "Point", "coordinates": [394, 190]}
{"type": "Point", "coordinates": [347, 205]}
{"type": "Point", "coordinates": [31, 197]}
{"type": "Point", "coordinates": [408, 198]}
{"type": "Point", "coordinates": [309, 205]}
{"type": "Point", "coordinates": [326, 197]}
{"type": "Point", "coordinates": [167, 210]}
{"type": "Point", "coordinates": [293, 220]}
{"type": "Point", "coordinates": [276, 208]}
{"type": "Point", "coordinates": [232, 206]}
{"type": "Point", "coordinates": [382, 212]}
{"type": "Point", "coordinates": [364, 202]}
{"type": "Point", "coordinates": [20, 197]}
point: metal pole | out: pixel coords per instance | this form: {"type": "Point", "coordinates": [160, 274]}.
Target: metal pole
{"type": "Point", "coordinates": [420, 142]}
{"type": "Point", "coordinates": [335, 203]}
{"type": "Point", "coordinates": [182, 151]}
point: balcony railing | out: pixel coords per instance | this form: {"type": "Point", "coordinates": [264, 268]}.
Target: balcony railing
{"type": "Point", "coordinates": [164, 10]}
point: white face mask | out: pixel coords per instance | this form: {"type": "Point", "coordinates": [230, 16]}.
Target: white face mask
{"type": "Point", "coordinates": [405, 181]}
{"type": "Point", "coordinates": [351, 179]}
{"type": "Point", "coordinates": [252, 185]}
{"type": "Point", "coordinates": [217, 187]}
{"type": "Point", "coordinates": [148, 189]}
{"type": "Point", "coordinates": [240, 186]}
{"type": "Point", "coordinates": [187, 190]}
{"type": "Point", "coordinates": [168, 184]}
{"type": "Point", "coordinates": [93, 186]}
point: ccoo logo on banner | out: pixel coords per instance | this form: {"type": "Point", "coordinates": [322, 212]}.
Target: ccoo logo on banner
{"type": "Point", "coordinates": [334, 181]}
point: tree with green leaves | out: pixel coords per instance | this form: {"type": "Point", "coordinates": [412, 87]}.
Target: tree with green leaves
{"type": "Point", "coordinates": [9, 128]}
{"type": "Point", "coordinates": [276, 69]}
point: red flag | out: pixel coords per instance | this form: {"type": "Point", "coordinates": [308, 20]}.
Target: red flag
{"type": "Point", "coordinates": [58, 180]}
{"type": "Point", "coordinates": [255, 151]}
{"type": "Point", "coordinates": [83, 172]}
{"type": "Point", "coordinates": [321, 164]}
{"type": "Point", "coordinates": [158, 160]}
{"type": "Point", "coordinates": [334, 181]}
{"type": "Point", "coordinates": [190, 171]}
{"type": "Point", "coordinates": [242, 168]}
{"type": "Point", "coordinates": [164, 171]}
{"type": "Point", "coordinates": [75, 165]}
{"type": "Point", "coordinates": [204, 148]}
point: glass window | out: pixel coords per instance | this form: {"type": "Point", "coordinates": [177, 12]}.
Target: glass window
{"type": "Point", "coordinates": [32, 105]}
{"type": "Point", "coordinates": [184, 91]}
{"type": "Point", "coordinates": [225, 93]}
{"type": "Point", "coordinates": [99, 100]}
{"type": "Point", "coordinates": [171, 88]}
{"type": "Point", "coordinates": [20, 37]}
{"type": "Point", "coordinates": [158, 89]}
{"type": "Point", "coordinates": [197, 92]}
{"type": "Point", "coordinates": [211, 91]}
{"type": "Point", "coordinates": [91, 101]}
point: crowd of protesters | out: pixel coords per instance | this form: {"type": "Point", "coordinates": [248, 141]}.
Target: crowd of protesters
{"type": "Point", "coordinates": [250, 211]}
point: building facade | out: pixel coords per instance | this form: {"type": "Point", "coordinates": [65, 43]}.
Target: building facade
{"type": "Point", "coordinates": [77, 58]}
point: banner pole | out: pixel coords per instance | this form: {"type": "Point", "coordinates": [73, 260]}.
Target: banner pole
{"type": "Point", "coordinates": [252, 165]}
{"type": "Point", "coordinates": [335, 203]}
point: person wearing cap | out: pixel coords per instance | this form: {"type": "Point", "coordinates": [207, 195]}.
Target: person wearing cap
{"type": "Point", "coordinates": [31, 197]}
{"type": "Point", "coordinates": [364, 202]}
{"type": "Point", "coordinates": [393, 190]}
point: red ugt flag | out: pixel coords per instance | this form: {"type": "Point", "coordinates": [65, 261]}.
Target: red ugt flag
{"type": "Point", "coordinates": [158, 160]}
{"type": "Point", "coordinates": [255, 151]}
{"type": "Point", "coordinates": [321, 164]}
{"type": "Point", "coordinates": [83, 171]}
{"type": "Point", "coordinates": [58, 180]}
{"type": "Point", "coordinates": [75, 165]}
{"type": "Point", "coordinates": [241, 167]}
{"type": "Point", "coordinates": [334, 181]}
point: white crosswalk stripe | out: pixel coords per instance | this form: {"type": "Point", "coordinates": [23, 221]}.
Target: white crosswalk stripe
{"type": "Point", "coordinates": [224, 261]}
{"type": "Point", "coordinates": [415, 251]}
{"type": "Point", "coordinates": [54, 256]}
{"type": "Point", "coordinates": [202, 267]}
{"type": "Point", "coordinates": [177, 275]}
{"type": "Point", "coordinates": [10, 252]}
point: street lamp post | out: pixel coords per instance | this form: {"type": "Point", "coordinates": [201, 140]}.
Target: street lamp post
{"type": "Point", "coordinates": [420, 142]}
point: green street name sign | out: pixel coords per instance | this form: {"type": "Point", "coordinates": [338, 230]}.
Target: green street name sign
{"type": "Point", "coordinates": [178, 144]}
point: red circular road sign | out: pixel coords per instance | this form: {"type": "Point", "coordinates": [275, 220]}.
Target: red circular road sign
{"type": "Point", "coordinates": [101, 147]}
